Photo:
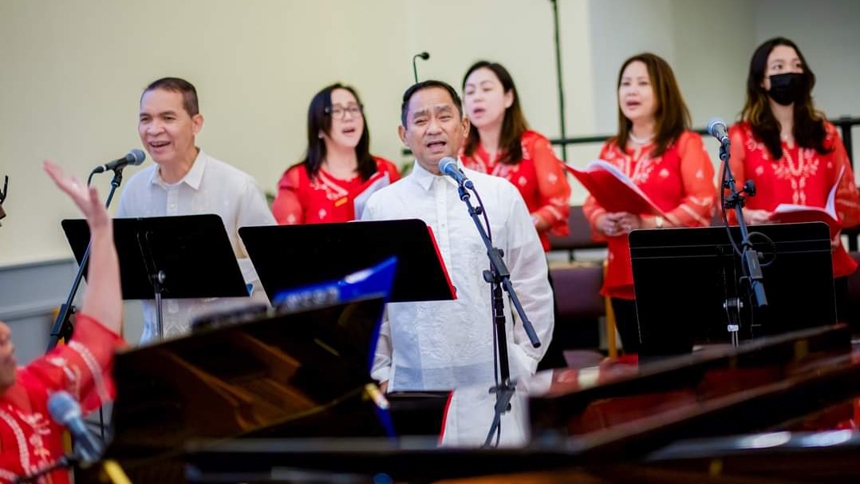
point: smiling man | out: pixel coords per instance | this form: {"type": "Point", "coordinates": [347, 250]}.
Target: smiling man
{"type": "Point", "coordinates": [186, 181]}
{"type": "Point", "coordinates": [448, 344]}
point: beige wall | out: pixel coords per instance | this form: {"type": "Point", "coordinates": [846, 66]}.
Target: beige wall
{"type": "Point", "coordinates": [72, 73]}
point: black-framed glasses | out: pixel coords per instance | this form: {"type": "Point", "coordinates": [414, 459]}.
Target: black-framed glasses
{"type": "Point", "coordinates": [338, 111]}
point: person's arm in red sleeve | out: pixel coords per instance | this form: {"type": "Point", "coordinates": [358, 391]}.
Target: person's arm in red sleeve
{"type": "Point", "coordinates": [83, 362]}
{"type": "Point", "coordinates": [554, 190]}
{"type": "Point", "coordinates": [697, 176]}
{"type": "Point", "coordinates": [595, 213]}
{"type": "Point", "coordinates": [287, 207]}
{"type": "Point", "coordinates": [737, 163]}
{"type": "Point", "coordinates": [847, 197]}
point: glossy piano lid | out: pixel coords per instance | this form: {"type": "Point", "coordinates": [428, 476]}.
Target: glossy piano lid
{"type": "Point", "coordinates": [302, 373]}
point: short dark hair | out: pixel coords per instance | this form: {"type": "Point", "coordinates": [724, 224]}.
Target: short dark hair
{"type": "Point", "coordinates": [429, 84]}
{"type": "Point", "coordinates": [175, 84]}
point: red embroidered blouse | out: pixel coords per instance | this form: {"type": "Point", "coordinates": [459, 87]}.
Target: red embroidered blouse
{"type": "Point", "coordinates": [539, 177]}
{"type": "Point", "coordinates": [801, 177]}
{"type": "Point", "coordinates": [29, 438]}
{"type": "Point", "coordinates": [680, 182]}
{"type": "Point", "coordinates": [325, 199]}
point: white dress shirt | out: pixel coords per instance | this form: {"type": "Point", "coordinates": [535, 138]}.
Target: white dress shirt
{"type": "Point", "coordinates": [210, 187]}
{"type": "Point", "coordinates": [440, 345]}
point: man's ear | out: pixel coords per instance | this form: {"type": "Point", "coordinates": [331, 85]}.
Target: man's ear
{"type": "Point", "coordinates": [197, 123]}
{"type": "Point", "coordinates": [401, 132]}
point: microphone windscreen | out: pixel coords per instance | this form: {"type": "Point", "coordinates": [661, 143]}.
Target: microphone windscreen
{"type": "Point", "coordinates": [445, 162]}
{"type": "Point", "coordinates": [63, 407]}
{"type": "Point", "coordinates": [135, 157]}
{"type": "Point", "coordinates": [714, 125]}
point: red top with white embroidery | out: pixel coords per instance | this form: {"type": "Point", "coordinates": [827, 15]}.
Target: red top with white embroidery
{"type": "Point", "coordinates": [801, 177]}
{"type": "Point", "coordinates": [29, 439]}
{"type": "Point", "coordinates": [539, 177]}
{"type": "Point", "coordinates": [323, 199]}
{"type": "Point", "coordinates": [680, 182]}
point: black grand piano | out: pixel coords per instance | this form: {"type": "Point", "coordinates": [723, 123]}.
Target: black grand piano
{"type": "Point", "coordinates": [284, 398]}
{"type": "Point", "coordinates": [257, 373]}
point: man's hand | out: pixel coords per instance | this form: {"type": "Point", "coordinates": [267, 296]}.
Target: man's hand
{"type": "Point", "coordinates": [383, 387]}
{"type": "Point", "coordinates": [86, 198]}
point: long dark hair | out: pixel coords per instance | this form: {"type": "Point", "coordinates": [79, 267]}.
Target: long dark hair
{"type": "Point", "coordinates": [671, 116]}
{"type": "Point", "coordinates": [319, 120]}
{"type": "Point", "coordinates": [809, 130]}
{"type": "Point", "coordinates": [514, 123]}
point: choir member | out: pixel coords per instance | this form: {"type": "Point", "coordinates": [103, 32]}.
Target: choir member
{"type": "Point", "coordinates": [655, 148]}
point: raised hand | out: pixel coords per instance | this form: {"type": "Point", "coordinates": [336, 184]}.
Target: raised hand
{"type": "Point", "coordinates": [86, 198]}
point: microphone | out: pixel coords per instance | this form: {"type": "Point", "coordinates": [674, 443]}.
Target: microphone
{"type": "Point", "coordinates": [134, 157]}
{"type": "Point", "coordinates": [717, 128]}
{"type": "Point", "coordinates": [67, 412]}
{"type": "Point", "coordinates": [448, 166]}
{"type": "Point", "coordinates": [423, 55]}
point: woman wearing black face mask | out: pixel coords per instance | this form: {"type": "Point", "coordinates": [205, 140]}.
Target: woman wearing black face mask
{"type": "Point", "coordinates": [790, 151]}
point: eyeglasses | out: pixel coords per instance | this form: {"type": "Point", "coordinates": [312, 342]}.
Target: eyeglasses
{"type": "Point", "coordinates": [338, 111]}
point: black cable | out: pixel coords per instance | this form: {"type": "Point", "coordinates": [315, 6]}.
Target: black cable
{"type": "Point", "coordinates": [723, 181]}
{"type": "Point", "coordinates": [769, 242]}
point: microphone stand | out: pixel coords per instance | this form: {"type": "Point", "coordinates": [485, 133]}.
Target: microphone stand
{"type": "Point", "coordinates": [557, 44]}
{"type": "Point", "coordinates": [415, 57]}
{"type": "Point", "coordinates": [499, 278]}
{"type": "Point", "coordinates": [749, 256]}
{"type": "Point", "coordinates": [62, 327]}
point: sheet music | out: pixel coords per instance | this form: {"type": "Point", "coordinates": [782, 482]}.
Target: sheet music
{"type": "Point", "coordinates": [382, 181]}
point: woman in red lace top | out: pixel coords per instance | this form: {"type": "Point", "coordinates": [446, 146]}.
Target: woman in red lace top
{"type": "Point", "coordinates": [338, 172]}
{"type": "Point", "coordinates": [655, 148]}
{"type": "Point", "coordinates": [789, 149]}
{"type": "Point", "coordinates": [500, 143]}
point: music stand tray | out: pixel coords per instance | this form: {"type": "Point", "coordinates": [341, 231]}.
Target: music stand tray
{"type": "Point", "coordinates": [189, 256]}
{"type": "Point", "coordinates": [298, 255]}
{"type": "Point", "coordinates": [683, 277]}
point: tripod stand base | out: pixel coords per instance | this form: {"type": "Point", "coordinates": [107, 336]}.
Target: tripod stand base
{"type": "Point", "coordinates": [471, 412]}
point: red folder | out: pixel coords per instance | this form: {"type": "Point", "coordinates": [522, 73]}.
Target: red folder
{"type": "Point", "coordinates": [789, 213]}
{"type": "Point", "coordinates": [613, 190]}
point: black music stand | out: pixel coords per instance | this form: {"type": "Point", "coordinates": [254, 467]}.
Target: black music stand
{"type": "Point", "coordinates": [299, 255]}
{"type": "Point", "coordinates": [189, 256]}
{"type": "Point", "coordinates": [687, 285]}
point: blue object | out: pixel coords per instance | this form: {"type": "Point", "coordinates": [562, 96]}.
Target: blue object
{"type": "Point", "coordinates": [373, 281]}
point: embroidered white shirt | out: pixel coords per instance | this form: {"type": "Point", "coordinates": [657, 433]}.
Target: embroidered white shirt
{"type": "Point", "coordinates": [211, 186]}
{"type": "Point", "coordinates": [441, 345]}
